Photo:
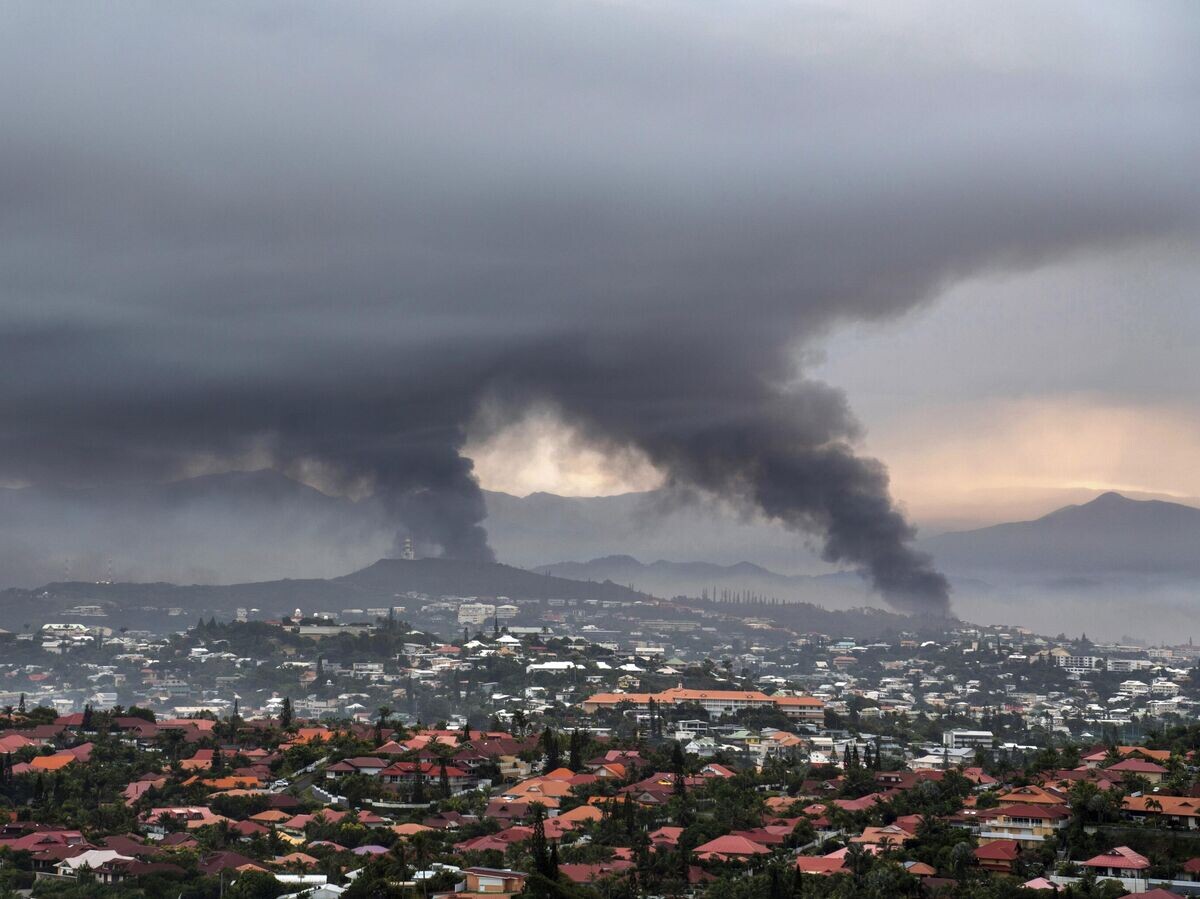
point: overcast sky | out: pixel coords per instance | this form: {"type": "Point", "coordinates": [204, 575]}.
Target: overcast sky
{"type": "Point", "coordinates": [738, 246]}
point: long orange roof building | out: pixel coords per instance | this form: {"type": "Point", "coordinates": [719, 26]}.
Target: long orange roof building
{"type": "Point", "coordinates": [720, 702]}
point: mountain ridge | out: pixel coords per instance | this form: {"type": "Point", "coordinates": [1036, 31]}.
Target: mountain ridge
{"type": "Point", "coordinates": [377, 584]}
{"type": "Point", "coordinates": [1110, 533]}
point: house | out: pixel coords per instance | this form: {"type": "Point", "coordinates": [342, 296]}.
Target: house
{"type": "Point", "coordinates": [1100, 756]}
{"type": "Point", "coordinates": [160, 821]}
{"type": "Point", "coordinates": [665, 837]}
{"type": "Point", "coordinates": [410, 829]}
{"type": "Point", "coordinates": [715, 702]}
{"type": "Point", "coordinates": [499, 841]}
{"type": "Point", "coordinates": [504, 810]}
{"type": "Point", "coordinates": [979, 777]}
{"type": "Point", "coordinates": [179, 841]}
{"type": "Point", "coordinates": [119, 869]}
{"type": "Point", "coordinates": [834, 863]}
{"type": "Point", "coordinates": [248, 830]}
{"type": "Point", "coordinates": [890, 835]}
{"type": "Point", "coordinates": [1191, 869]}
{"type": "Point", "coordinates": [136, 789]}
{"type": "Point", "coordinates": [487, 882]}
{"type": "Point", "coordinates": [427, 773]}
{"type": "Point", "coordinates": [216, 862]}
{"type": "Point", "coordinates": [548, 790]}
{"type": "Point", "coordinates": [730, 848]}
{"type": "Point", "coordinates": [90, 860]}
{"type": "Point", "coordinates": [920, 869]}
{"type": "Point", "coordinates": [365, 765]}
{"type": "Point", "coordinates": [998, 856]}
{"type": "Point", "coordinates": [1029, 825]}
{"type": "Point", "coordinates": [1041, 883]}
{"type": "Point", "coordinates": [203, 759]}
{"type": "Point", "coordinates": [1151, 771]}
{"type": "Point", "coordinates": [1121, 862]}
{"type": "Point", "coordinates": [1180, 811]}
{"type": "Point", "coordinates": [47, 763]}
{"type": "Point", "coordinates": [1031, 795]}
{"type": "Point", "coordinates": [581, 873]}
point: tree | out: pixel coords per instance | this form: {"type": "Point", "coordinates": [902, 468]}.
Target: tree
{"type": "Point", "coordinates": [137, 711]}
{"type": "Point", "coordinates": [285, 713]}
{"type": "Point", "coordinates": [551, 749]}
{"type": "Point", "coordinates": [538, 847]}
{"type": "Point", "coordinates": [679, 768]}
{"type": "Point", "coordinates": [575, 756]}
{"type": "Point", "coordinates": [381, 723]}
{"type": "Point", "coordinates": [962, 856]}
{"type": "Point", "coordinates": [858, 860]}
{"type": "Point", "coordinates": [254, 885]}
{"type": "Point", "coordinates": [444, 777]}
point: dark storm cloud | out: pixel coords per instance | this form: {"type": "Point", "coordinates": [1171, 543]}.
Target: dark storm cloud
{"type": "Point", "coordinates": [333, 231]}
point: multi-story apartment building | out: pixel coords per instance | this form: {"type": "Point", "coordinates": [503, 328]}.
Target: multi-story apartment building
{"type": "Point", "coordinates": [1029, 825]}
{"type": "Point", "coordinates": [964, 739]}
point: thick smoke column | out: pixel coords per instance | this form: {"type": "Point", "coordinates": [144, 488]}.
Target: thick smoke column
{"type": "Point", "coordinates": [322, 239]}
{"type": "Point", "coordinates": [781, 452]}
{"type": "Point", "coordinates": [829, 491]}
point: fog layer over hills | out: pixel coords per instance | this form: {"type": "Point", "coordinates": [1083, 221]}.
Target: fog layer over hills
{"type": "Point", "coordinates": [1112, 566]}
{"type": "Point", "coordinates": [241, 526]}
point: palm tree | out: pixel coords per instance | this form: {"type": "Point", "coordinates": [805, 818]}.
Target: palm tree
{"type": "Point", "coordinates": [858, 859]}
{"type": "Point", "coordinates": [961, 858]}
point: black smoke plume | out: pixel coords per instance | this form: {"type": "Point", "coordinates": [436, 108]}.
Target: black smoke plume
{"type": "Point", "coordinates": [325, 237]}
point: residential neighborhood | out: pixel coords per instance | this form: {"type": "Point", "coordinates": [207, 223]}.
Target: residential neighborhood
{"type": "Point", "coordinates": [638, 750]}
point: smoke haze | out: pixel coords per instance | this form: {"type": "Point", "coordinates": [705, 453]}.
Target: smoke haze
{"type": "Point", "coordinates": [340, 237]}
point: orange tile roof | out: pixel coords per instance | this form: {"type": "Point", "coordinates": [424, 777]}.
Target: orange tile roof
{"type": "Point", "coordinates": [1032, 795]}
{"type": "Point", "coordinates": [51, 762]}
{"type": "Point", "coordinates": [681, 694]}
{"type": "Point", "coordinates": [1180, 806]}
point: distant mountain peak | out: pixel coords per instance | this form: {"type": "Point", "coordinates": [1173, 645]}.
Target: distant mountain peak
{"type": "Point", "coordinates": [615, 559]}
{"type": "Point", "coordinates": [1111, 532]}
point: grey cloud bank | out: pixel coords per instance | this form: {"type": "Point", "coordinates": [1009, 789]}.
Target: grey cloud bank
{"type": "Point", "coordinates": [330, 235]}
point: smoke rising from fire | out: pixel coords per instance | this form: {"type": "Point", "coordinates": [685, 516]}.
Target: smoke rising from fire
{"type": "Point", "coordinates": [337, 234]}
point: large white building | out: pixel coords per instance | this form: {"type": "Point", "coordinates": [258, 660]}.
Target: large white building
{"type": "Point", "coordinates": [964, 739]}
{"type": "Point", "coordinates": [476, 613]}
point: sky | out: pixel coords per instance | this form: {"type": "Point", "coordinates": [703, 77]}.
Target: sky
{"type": "Point", "coordinates": [757, 251]}
{"type": "Point", "coordinates": [1006, 398]}
{"type": "Point", "coordinates": [1014, 395]}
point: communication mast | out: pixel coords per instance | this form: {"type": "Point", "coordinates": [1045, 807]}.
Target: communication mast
{"type": "Point", "coordinates": [408, 550]}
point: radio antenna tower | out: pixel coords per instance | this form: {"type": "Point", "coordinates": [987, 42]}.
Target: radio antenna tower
{"type": "Point", "coordinates": [408, 550]}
